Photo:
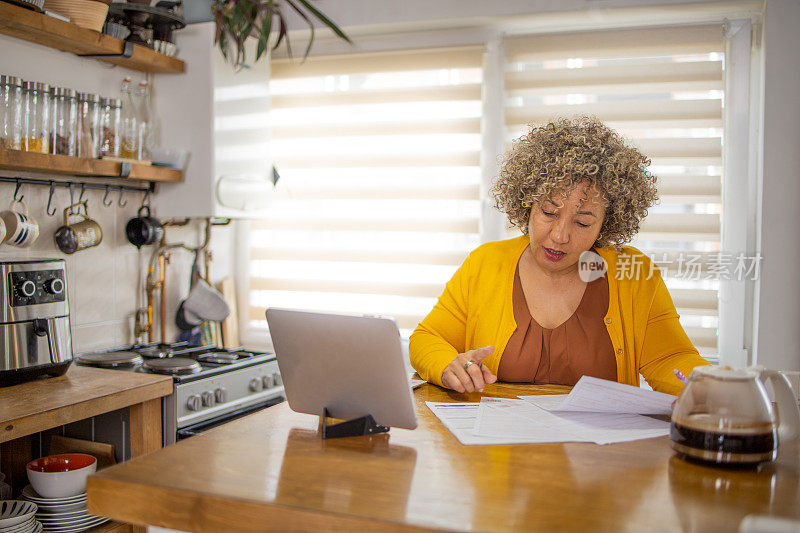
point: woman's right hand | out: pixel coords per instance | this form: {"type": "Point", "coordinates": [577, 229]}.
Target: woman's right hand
{"type": "Point", "coordinates": [461, 377]}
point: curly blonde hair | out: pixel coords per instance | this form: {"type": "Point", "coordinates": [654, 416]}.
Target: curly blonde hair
{"type": "Point", "coordinates": [556, 157]}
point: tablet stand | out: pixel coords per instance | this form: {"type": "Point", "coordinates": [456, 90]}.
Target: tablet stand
{"type": "Point", "coordinates": [364, 425]}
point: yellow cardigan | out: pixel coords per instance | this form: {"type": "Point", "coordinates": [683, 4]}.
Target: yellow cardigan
{"type": "Point", "coordinates": [476, 310]}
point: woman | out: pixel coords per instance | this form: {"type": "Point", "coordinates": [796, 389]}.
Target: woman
{"type": "Point", "coordinates": [529, 309]}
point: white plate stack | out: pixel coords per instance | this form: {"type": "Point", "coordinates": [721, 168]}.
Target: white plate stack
{"type": "Point", "coordinates": [17, 516]}
{"type": "Point", "coordinates": [62, 515]}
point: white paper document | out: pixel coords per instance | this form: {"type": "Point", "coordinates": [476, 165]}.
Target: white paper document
{"type": "Point", "coordinates": [596, 395]}
{"type": "Point", "coordinates": [507, 417]}
{"type": "Point", "coordinates": [516, 421]}
{"type": "Point", "coordinates": [459, 418]}
{"type": "Point", "coordinates": [596, 410]}
{"type": "Point", "coordinates": [499, 417]}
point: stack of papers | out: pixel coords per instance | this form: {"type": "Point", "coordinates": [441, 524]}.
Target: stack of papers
{"type": "Point", "coordinates": [596, 411]}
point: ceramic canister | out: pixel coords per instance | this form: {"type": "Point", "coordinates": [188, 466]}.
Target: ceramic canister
{"type": "Point", "coordinates": [20, 229]}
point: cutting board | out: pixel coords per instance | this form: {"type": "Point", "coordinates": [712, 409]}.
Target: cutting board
{"type": "Point", "coordinates": [230, 326]}
{"type": "Point", "coordinates": [104, 453]}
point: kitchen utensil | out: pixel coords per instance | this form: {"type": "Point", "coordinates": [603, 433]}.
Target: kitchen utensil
{"type": "Point", "coordinates": [103, 452]}
{"type": "Point", "coordinates": [85, 13]}
{"type": "Point", "coordinates": [71, 238]}
{"type": "Point", "coordinates": [13, 512]}
{"type": "Point", "coordinates": [172, 158]}
{"type": "Point", "coordinates": [31, 525]}
{"type": "Point", "coordinates": [36, 327]}
{"type": "Point", "coordinates": [36, 5]}
{"type": "Point", "coordinates": [165, 47]}
{"type": "Point", "coordinates": [185, 319]}
{"type": "Point", "coordinates": [230, 326]}
{"type": "Point", "coordinates": [724, 415]}
{"type": "Point", "coordinates": [31, 495]}
{"type": "Point", "coordinates": [115, 29]}
{"type": "Point", "coordinates": [143, 229]}
{"type": "Point", "coordinates": [21, 229]}
{"type": "Point", "coordinates": [5, 488]}
{"type": "Point", "coordinates": [59, 476]}
{"type": "Point", "coordinates": [206, 302]}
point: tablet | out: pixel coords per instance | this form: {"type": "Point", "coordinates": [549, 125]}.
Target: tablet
{"type": "Point", "coordinates": [353, 365]}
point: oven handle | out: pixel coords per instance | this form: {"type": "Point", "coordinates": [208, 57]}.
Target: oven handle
{"type": "Point", "coordinates": [200, 427]}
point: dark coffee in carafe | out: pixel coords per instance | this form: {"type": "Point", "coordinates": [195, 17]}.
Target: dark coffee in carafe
{"type": "Point", "coordinates": [706, 437]}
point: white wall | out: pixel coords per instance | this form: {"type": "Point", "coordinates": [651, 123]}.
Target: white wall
{"type": "Point", "coordinates": [779, 306]}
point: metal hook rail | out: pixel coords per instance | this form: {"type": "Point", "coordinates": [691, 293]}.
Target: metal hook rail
{"type": "Point", "coordinates": [52, 184]}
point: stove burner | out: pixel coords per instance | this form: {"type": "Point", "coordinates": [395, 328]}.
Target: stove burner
{"type": "Point", "coordinates": [221, 358]}
{"type": "Point", "coordinates": [111, 359]}
{"type": "Point", "coordinates": [172, 365]}
{"type": "Point", "coordinates": [159, 351]}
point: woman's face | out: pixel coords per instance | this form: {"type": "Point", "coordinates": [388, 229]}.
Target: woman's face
{"type": "Point", "coordinates": [561, 229]}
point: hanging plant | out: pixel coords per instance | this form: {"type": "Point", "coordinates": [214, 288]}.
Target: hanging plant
{"type": "Point", "coordinates": [239, 20]}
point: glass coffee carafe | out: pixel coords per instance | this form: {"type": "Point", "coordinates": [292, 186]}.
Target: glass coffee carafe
{"type": "Point", "coordinates": [724, 415]}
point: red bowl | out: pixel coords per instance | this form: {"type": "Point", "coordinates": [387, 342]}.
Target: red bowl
{"type": "Point", "coordinates": [65, 462]}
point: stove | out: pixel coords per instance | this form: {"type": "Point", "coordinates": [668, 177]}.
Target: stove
{"type": "Point", "coordinates": [211, 385]}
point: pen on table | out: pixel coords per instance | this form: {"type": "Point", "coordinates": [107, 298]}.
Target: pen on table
{"type": "Point", "coordinates": [679, 375]}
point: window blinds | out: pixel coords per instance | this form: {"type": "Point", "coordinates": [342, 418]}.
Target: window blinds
{"type": "Point", "coordinates": [379, 197]}
{"type": "Point", "coordinates": [662, 88]}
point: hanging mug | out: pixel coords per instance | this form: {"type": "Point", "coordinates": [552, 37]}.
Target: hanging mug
{"type": "Point", "coordinates": [21, 229]}
{"type": "Point", "coordinates": [71, 238]}
{"type": "Point", "coordinates": [143, 229]}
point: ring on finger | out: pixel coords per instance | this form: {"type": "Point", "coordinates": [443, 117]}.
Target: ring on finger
{"type": "Point", "coordinates": [467, 364]}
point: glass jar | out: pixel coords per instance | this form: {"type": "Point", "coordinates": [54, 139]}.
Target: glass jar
{"type": "Point", "coordinates": [37, 116]}
{"type": "Point", "coordinates": [110, 116]}
{"type": "Point", "coordinates": [10, 112]}
{"type": "Point", "coordinates": [88, 134]}
{"type": "Point", "coordinates": [129, 126]}
{"type": "Point", "coordinates": [65, 116]}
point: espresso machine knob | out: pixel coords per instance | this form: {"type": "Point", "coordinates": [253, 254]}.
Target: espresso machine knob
{"type": "Point", "coordinates": [26, 289]}
{"type": "Point", "coordinates": [221, 395]}
{"type": "Point", "coordinates": [208, 398]}
{"type": "Point", "coordinates": [54, 286]}
{"type": "Point", "coordinates": [193, 403]}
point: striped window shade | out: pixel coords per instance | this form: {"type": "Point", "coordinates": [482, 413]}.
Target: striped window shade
{"type": "Point", "coordinates": [379, 197]}
{"type": "Point", "coordinates": [662, 88]}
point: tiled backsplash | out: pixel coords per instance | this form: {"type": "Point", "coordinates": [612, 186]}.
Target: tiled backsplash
{"type": "Point", "coordinates": [105, 283]}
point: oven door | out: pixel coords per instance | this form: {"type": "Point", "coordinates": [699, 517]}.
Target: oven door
{"type": "Point", "coordinates": [205, 425]}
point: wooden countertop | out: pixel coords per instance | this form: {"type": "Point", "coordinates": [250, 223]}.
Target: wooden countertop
{"type": "Point", "coordinates": [81, 393]}
{"type": "Point", "coordinates": [271, 470]}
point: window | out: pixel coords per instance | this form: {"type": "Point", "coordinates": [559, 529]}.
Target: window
{"type": "Point", "coordinates": [665, 94]}
{"type": "Point", "coordinates": [379, 197]}
{"type": "Point", "coordinates": [380, 155]}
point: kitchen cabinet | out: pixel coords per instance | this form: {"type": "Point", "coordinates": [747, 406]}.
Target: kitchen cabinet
{"type": "Point", "coordinates": [81, 393]}
{"type": "Point", "coordinates": [221, 116]}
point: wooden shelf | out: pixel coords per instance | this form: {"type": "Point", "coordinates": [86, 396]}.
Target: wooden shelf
{"type": "Point", "coordinates": [111, 527]}
{"type": "Point", "coordinates": [77, 166]}
{"type": "Point", "coordinates": [40, 29]}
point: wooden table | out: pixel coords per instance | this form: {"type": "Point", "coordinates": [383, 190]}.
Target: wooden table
{"type": "Point", "coordinates": [81, 393]}
{"type": "Point", "coordinates": [271, 471]}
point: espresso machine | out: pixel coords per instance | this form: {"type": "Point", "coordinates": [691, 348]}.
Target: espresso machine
{"type": "Point", "coordinates": [35, 336]}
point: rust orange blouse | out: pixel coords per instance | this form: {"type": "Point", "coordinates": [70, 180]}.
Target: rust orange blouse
{"type": "Point", "coordinates": [580, 346]}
